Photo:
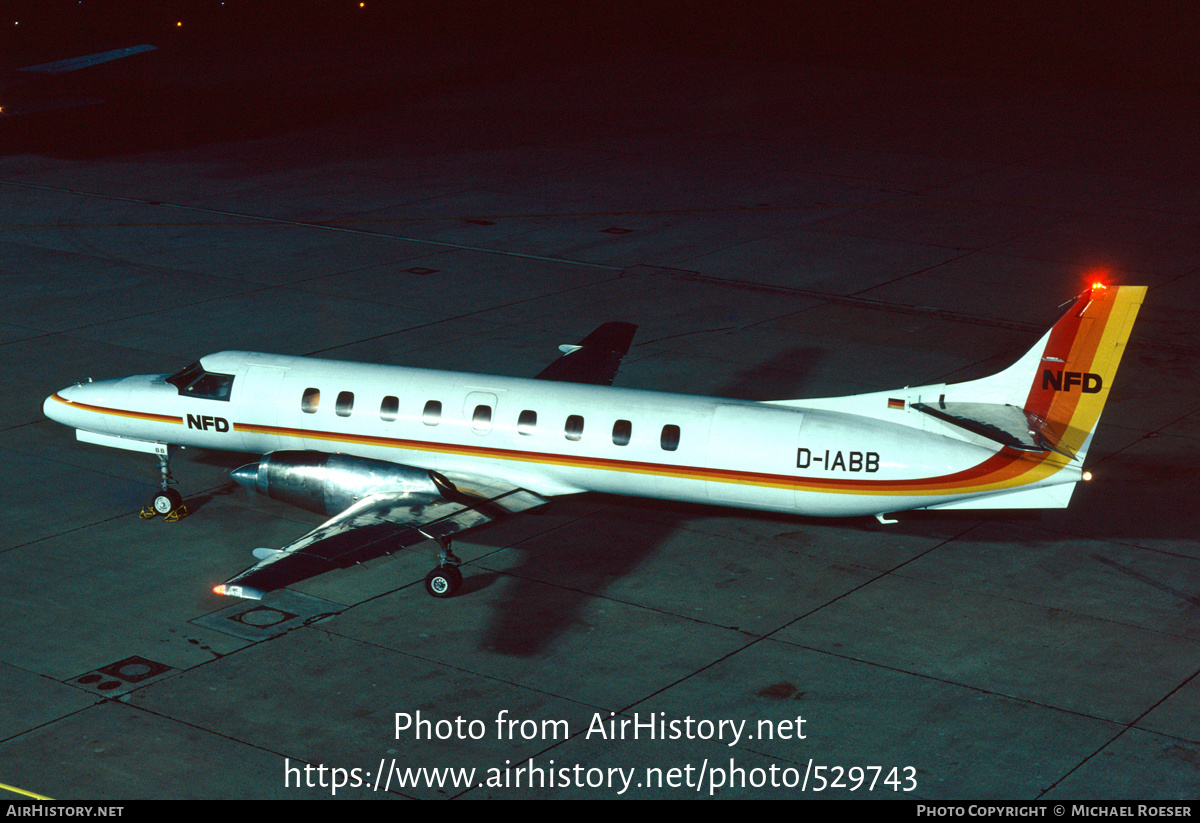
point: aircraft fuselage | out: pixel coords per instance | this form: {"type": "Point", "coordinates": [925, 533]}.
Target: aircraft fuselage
{"type": "Point", "coordinates": [560, 438]}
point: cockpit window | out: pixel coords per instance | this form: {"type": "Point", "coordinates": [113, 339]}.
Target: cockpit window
{"type": "Point", "coordinates": [180, 379]}
{"type": "Point", "coordinates": [194, 381]}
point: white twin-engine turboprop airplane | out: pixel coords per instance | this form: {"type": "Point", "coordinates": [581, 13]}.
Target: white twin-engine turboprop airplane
{"type": "Point", "coordinates": [397, 455]}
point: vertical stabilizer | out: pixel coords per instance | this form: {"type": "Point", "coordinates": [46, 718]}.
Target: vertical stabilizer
{"type": "Point", "coordinates": [1062, 383]}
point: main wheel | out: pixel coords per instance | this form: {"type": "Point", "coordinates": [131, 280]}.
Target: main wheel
{"type": "Point", "coordinates": [167, 501]}
{"type": "Point", "coordinates": [443, 581]}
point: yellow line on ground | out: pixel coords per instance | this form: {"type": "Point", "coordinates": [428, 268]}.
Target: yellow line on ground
{"type": "Point", "coordinates": [34, 795]}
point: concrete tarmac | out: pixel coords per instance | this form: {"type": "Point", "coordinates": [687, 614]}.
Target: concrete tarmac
{"type": "Point", "coordinates": [778, 227]}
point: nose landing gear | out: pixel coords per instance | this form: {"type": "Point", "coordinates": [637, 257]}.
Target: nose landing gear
{"type": "Point", "coordinates": [168, 503]}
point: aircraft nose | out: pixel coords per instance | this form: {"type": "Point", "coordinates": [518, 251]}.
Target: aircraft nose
{"type": "Point", "coordinates": [56, 405]}
{"type": "Point", "coordinates": [89, 405]}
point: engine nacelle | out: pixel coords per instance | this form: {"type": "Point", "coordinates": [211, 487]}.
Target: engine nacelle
{"type": "Point", "coordinates": [331, 483]}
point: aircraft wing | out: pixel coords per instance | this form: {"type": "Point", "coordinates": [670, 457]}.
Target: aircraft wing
{"type": "Point", "coordinates": [377, 525]}
{"type": "Point", "coordinates": [595, 359]}
{"type": "Point", "coordinates": [27, 86]}
{"type": "Point", "coordinates": [76, 63]}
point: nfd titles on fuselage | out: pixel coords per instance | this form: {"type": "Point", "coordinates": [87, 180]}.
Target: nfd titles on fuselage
{"type": "Point", "coordinates": [207, 421]}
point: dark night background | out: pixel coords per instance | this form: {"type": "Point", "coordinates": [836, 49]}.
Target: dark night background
{"type": "Point", "coordinates": [247, 68]}
{"type": "Point", "coordinates": [789, 199]}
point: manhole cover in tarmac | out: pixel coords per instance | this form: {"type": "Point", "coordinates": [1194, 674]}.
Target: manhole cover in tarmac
{"type": "Point", "coordinates": [121, 676]}
{"type": "Point", "coordinates": [262, 616]}
{"type": "Point", "coordinates": [134, 669]}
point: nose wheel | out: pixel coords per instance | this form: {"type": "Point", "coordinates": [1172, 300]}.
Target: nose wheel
{"type": "Point", "coordinates": [168, 503]}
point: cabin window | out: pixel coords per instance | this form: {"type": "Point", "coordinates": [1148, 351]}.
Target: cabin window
{"type": "Point", "coordinates": [621, 432]}
{"type": "Point", "coordinates": [389, 408]}
{"type": "Point", "coordinates": [574, 430]}
{"type": "Point", "coordinates": [432, 415]}
{"type": "Point", "coordinates": [310, 401]}
{"type": "Point", "coordinates": [345, 403]}
{"type": "Point", "coordinates": [670, 438]}
{"type": "Point", "coordinates": [194, 381]}
{"type": "Point", "coordinates": [527, 422]}
{"type": "Point", "coordinates": [481, 419]}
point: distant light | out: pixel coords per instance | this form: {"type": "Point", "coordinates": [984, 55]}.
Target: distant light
{"type": "Point", "coordinates": [1087, 475]}
{"type": "Point", "coordinates": [180, 23]}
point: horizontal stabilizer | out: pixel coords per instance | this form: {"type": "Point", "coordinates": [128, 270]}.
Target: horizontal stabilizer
{"type": "Point", "coordinates": [1004, 423]}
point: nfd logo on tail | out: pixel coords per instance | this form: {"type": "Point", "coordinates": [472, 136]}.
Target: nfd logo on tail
{"type": "Point", "coordinates": [1060, 381]}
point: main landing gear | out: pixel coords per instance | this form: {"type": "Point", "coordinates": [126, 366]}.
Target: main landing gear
{"type": "Point", "coordinates": [168, 503]}
{"type": "Point", "coordinates": [446, 578]}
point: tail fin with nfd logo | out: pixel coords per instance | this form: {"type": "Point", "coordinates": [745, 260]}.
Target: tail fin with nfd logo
{"type": "Point", "coordinates": [1051, 399]}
